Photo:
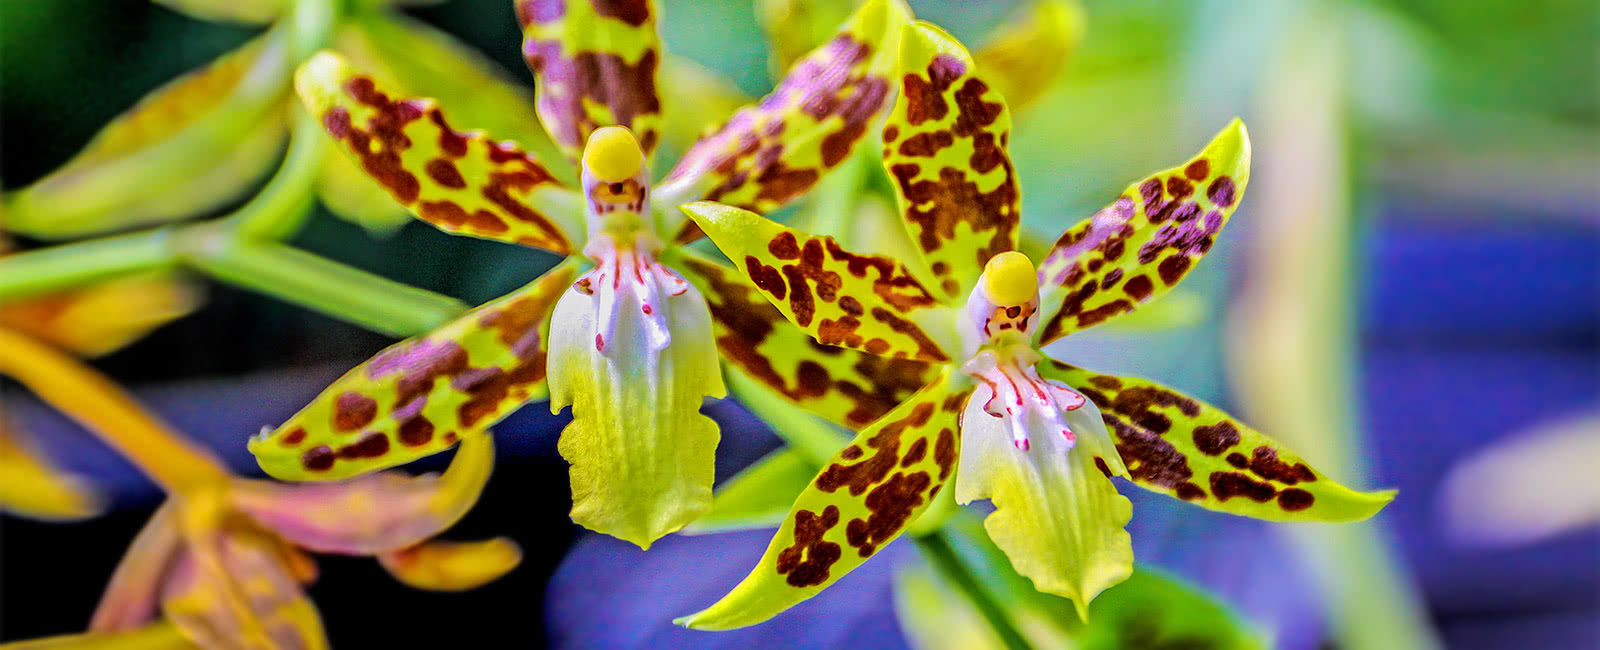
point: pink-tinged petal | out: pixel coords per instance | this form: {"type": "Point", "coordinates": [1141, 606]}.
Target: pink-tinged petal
{"type": "Point", "coordinates": [849, 387]}
{"type": "Point", "coordinates": [771, 152]}
{"type": "Point", "coordinates": [596, 64]}
{"type": "Point", "coordinates": [255, 603]}
{"type": "Point", "coordinates": [464, 183]}
{"type": "Point", "coordinates": [452, 566]}
{"type": "Point", "coordinates": [131, 598]}
{"type": "Point", "coordinates": [944, 145]}
{"type": "Point", "coordinates": [1141, 245]}
{"type": "Point", "coordinates": [376, 513]}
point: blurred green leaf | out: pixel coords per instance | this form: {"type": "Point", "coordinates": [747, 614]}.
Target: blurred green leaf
{"type": "Point", "coordinates": [759, 496]}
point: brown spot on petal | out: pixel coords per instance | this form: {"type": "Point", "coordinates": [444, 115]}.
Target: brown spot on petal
{"type": "Point", "coordinates": [294, 437]}
{"type": "Point", "coordinates": [372, 445]}
{"type": "Point", "coordinates": [318, 459]}
{"type": "Point", "coordinates": [915, 453]}
{"type": "Point", "coordinates": [1265, 463]}
{"type": "Point", "coordinates": [416, 432]}
{"type": "Point", "coordinates": [352, 410]}
{"type": "Point", "coordinates": [1296, 499]}
{"type": "Point", "coordinates": [445, 173]}
{"type": "Point", "coordinates": [807, 561]}
{"type": "Point", "coordinates": [1227, 485]}
{"type": "Point", "coordinates": [1216, 438]}
{"type": "Point", "coordinates": [892, 505]}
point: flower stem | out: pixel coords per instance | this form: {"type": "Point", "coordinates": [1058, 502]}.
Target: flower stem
{"type": "Point", "coordinates": [344, 292]}
{"type": "Point", "coordinates": [936, 547]}
{"type": "Point", "coordinates": [283, 205]}
{"type": "Point", "coordinates": [110, 413]}
{"type": "Point", "coordinates": [57, 268]}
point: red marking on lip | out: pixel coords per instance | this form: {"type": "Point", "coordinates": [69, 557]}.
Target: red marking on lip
{"type": "Point", "coordinates": [600, 342]}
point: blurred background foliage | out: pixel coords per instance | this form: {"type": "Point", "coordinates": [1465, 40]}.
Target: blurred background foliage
{"type": "Point", "coordinates": [1435, 161]}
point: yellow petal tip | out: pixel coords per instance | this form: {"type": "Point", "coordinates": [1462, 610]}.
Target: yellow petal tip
{"type": "Point", "coordinates": [1010, 279]}
{"type": "Point", "coordinates": [613, 154]}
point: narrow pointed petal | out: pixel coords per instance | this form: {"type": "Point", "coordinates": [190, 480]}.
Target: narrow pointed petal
{"type": "Point", "coordinates": [452, 566]}
{"type": "Point", "coordinates": [759, 496]}
{"type": "Point", "coordinates": [642, 454]}
{"type": "Point", "coordinates": [1057, 514]}
{"type": "Point", "coordinates": [1142, 244]}
{"type": "Point", "coordinates": [1183, 447]}
{"type": "Point", "coordinates": [1025, 56]}
{"type": "Point", "coordinates": [945, 147]}
{"type": "Point", "coordinates": [161, 635]}
{"type": "Point", "coordinates": [276, 613]}
{"type": "Point", "coordinates": [133, 595]}
{"type": "Point", "coordinates": [249, 12]}
{"type": "Point", "coordinates": [371, 514]}
{"type": "Point", "coordinates": [30, 486]}
{"type": "Point", "coordinates": [416, 60]}
{"type": "Point", "coordinates": [463, 183]}
{"type": "Point", "coordinates": [863, 302]}
{"type": "Point", "coordinates": [420, 396]}
{"type": "Point", "coordinates": [848, 387]}
{"type": "Point", "coordinates": [596, 65]}
{"type": "Point", "coordinates": [196, 143]}
{"type": "Point", "coordinates": [773, 151]}
{"type": "Point", "coordinates": [104, 317]}
{"type": "Point", "coordinates": [861, 501]}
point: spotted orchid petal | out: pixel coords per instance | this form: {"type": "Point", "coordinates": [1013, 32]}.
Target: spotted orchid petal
{"type": "Point", "coordinates": [1144, 242]}
{"type": "Point", "coordinates": [463, 183]}
{"type": "Point", "coordinates": [419, 396]}
{"type": "Point", "coordinates": [1025, 56]}
{"type": "Point", "coordinates": [194, 144]}
{"type": "Point", "coordinates": [1057, 514]}
{"type": "Point", "coordinates": [596, 64]}
{"type": "Point", "coordinates": [848, 387]}
{"type": "Point", "coordinates": [631, 351]}
{"type": "Point", "coordinates": [416, 60]}
{"type": "Point", "coordinates": [863, 499]}
{"type": "Point", "coordinates": [452, 566]}
{"type": "Point", "coordinates": [863, 302]}
{"type": "Point", "coordinates": [371, 514]}
{"type": "Point", "coordinates": [103, 317]}
{"type": "Point", "coordinates": [1183, 447]}
{"type": "Point", "coordinates": [945, 147]}
{"type": "Point", "coordinates": [773, 151]}
{"type": "Point", "coordinates": [31, 486]}
{"type": "Point", "coordinates": [260, 605]}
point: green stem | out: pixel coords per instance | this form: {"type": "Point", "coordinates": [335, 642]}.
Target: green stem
{"type": "Point", "coordinates": [302, 278]}
{"type": "Point", "coordinates": [283, 205]}
{"type": "Point", "coordinates": [802, 431]}
{"type": "Point", "coordinates": [313, 22]}
{"type": "Point", "coordinates": [72, 265]}
{"type": "Point", "coordinates": [936, 547]}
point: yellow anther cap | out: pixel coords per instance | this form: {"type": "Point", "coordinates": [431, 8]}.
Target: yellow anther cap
{"type": "Point", "coordinates": [1009, 279]}
{"type": "Point", "coordinates": [612, 154]}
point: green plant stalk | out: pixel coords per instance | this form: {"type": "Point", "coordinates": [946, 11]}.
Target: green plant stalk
{"type": "Point", "coordinates": [282, 207]}
{"type": "Point", "coordinates": [57, 268]}
{"type": "Point", "coordinates": [813, 437]}
{"type": "Point", "coordinates": [1297, 342]}
{"type": "Point", "coordinates": [936, 548]}
{"type": "Point", "coordinates": [322, 285]}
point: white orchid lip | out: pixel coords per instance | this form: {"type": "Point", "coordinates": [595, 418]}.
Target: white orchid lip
{"type": "Point", "coordinates": [629, 279]}
{"type": "Point", "coordinates": [1002, 311]}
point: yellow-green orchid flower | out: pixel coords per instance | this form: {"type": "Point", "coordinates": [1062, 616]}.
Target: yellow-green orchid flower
{"type": "Point", "coordinates": [1039, 438]}
{"type": "Point", "coordinates": [631, 344]}
{"type": "Point", "coordinates": [222, 560]}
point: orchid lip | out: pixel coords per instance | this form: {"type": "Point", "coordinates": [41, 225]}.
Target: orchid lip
{"type": "Point", "coordinates": [1013, 391]}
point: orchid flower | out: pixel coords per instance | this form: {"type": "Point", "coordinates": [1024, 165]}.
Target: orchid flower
{"type": "Point", "coordinates": [224, 559]}
{"type": "Point", "coordinates": [1039, 438]}
{"type": "Point", "coordinates": [629, 344]}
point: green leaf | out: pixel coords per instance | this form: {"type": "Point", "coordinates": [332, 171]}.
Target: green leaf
{"type": "Point", "coordinates": [759, 496]}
